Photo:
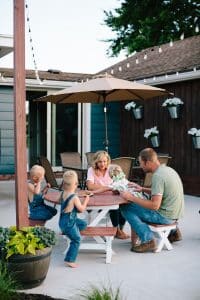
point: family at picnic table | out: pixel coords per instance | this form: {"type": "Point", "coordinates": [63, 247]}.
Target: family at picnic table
{"type": "Point", "coordinates": [164, 205]}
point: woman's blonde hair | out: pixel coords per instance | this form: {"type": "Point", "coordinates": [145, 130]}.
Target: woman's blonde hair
{"type": "Point", "coordinates": [98, 156]}
{"type": "Point", "coordinates": [70, 177]}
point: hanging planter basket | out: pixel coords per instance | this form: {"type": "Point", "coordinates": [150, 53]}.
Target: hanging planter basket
{"type": "Point", "coordinates": [138, 113]}
{"type": "Point", "coordinates": [155, 141]}
{"type": "Point", "coordinates": [174, 111]}
{"type": "Point", "coordinates": [196, 142]}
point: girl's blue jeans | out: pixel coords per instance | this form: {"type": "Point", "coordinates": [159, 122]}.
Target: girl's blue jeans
{"type": "Point", "coordinates": [73, 233]}
{"type": "Point", "coordinates": [138, 217]}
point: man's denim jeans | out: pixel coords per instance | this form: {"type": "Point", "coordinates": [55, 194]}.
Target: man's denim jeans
{"type": "Point", "coordinates": [138, 217]}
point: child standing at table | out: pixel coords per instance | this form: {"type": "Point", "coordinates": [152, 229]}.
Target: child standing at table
{"type": "Point", "coordinates": [38, 210]}
{"type": "Point", "coordinates": [69, 223]}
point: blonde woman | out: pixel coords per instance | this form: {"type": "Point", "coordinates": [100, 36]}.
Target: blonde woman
{"type": "Point", "coordinates": [99, 180]}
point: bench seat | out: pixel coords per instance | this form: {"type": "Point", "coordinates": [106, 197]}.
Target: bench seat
{"type": "Point", "coordinates": [36, 222]}
{"type": "Point", "coordinates": [99, 231]}
{"type": "Point", "coordinates": [104, 243]}
{"type": "Point", "coordinates": [163, 231]}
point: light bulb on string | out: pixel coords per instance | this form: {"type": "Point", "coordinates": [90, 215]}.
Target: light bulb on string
{"type": "Point", "coordinates": [182, 36]}
{"type": "Point", "coordinates": [160, 49]}
{"type": "Point", "coordinates": [137, 61]}
{"type": "Point", "coordinates": [171, 43]}
{"type": "Point", "coordinates": [31, 43]}
{"type": "Point", "coordinates": [145, 56]}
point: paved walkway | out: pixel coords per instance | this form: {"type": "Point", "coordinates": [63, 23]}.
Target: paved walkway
{"type": "Point", "coordinates": [167, 275]}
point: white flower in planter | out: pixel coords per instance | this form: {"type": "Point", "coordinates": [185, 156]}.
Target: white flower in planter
{"type": "Point", "coordinates": [132, 105]}
{"type": "Point", "coordinates": [151, 132]}
{"type": "Point", "coordinates": [172, 102]}
{"type": "Point", "coordinates": [194, 131]}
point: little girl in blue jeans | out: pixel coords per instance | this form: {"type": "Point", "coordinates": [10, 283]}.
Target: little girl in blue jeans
{"type": "Point", "coordinates": [69, 223]}
{"type": "Point", "coordinates": [38, 210]}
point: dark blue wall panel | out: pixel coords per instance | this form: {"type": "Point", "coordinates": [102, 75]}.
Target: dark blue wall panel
{"type": "Point", "coordinates": [98, 128]}
{"type": "Point", "coordinates": [6, 131]}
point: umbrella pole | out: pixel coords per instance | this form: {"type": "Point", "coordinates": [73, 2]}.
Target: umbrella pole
{"type": "Point", "coordinates": [106, 142]}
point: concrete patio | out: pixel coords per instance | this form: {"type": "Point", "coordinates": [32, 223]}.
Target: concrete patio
{"type": "Point", "coordinates": [167, 275]}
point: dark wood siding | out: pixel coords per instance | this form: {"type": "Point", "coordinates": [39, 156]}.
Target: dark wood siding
{"type": "Point", "coordinates": [174, 138]}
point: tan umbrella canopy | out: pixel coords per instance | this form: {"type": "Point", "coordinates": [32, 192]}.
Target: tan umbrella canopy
{"type": "Point", "coordinates": [104, 89]}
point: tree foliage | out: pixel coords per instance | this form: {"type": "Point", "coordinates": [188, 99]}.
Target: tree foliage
{"type": "Point", "coordinates": [139, 24]}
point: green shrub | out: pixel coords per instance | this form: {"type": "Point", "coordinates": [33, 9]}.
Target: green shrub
{"type": "Point", "coordinates": [8, 285]}
{"type": "Point", "coordinates": [24, 241]}
{"type": "Point", "coordinates": [101, 293]}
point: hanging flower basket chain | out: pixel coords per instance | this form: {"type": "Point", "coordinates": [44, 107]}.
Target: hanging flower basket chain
{"type": "Point", "coordinates": [173, 105]}
{"type": "Point", "coordinates": [136, 108]}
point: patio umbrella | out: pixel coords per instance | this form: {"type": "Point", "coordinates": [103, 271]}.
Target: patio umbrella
{"type": "Point", "coordinates": [104, 89]}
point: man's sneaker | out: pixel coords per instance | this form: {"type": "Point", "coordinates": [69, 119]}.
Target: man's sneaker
{"type": "Point", "coordinates": [175, 235]}
{"type": "Point", "coordinates": [145, 247]}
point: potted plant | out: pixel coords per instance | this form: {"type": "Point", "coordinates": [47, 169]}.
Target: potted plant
{"type": "Point", "coordinates": [173, 105]}
{"type": "Point", "coordinates": [27, 253]}
{"type": "Point", "coordinates": [137, 109]}
{"type": "Point", "coordinates": [153, 134]}
{"type": "Point", "coordinates": [195, 137]}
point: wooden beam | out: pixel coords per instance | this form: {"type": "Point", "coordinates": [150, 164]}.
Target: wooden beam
{"type": "Point", "coordinates": [20, 115]}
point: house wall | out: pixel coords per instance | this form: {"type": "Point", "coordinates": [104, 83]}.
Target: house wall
{"type": "Point", "coordinates": [174, 138]}
{"type": "Point", "coordinates": [6, 131]}
{"type": "Point", "coordinates": [98, 128]}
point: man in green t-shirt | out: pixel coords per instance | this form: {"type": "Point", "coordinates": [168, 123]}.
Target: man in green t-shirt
{"type": "Point", "coordinates": [164, 207]}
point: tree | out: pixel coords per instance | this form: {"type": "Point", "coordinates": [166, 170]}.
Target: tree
{"type": "Point", "coordinates": [140, 24]}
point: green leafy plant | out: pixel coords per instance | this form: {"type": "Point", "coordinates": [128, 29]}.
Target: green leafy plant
{"type": "Point", "coordinates": [101, 293]}
{"type": "Point", "coordinates": [24, 241]}
{"type": "Point", "coordinates": [8, 285]}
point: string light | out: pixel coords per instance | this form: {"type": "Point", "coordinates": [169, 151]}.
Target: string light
{"type": "Point", "coordinates": [171, 43]}
{"type": "Point", "coordinates": [182, 36]}
{"type": "Point", "coordinates": [137, 61]}
{"type": "Point", "coordinates": [160, 49]}
{"type": "Point", "coordinates": [31, 43]}
{"type": "Point", "coordinates": [145, 56]}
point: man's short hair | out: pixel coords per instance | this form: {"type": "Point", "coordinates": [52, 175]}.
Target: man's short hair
{"type": "Point", "coordinates": [148, 154]}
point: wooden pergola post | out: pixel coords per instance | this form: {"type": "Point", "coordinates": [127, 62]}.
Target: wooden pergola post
{"type": "Point", "coordinates": [20, 115]}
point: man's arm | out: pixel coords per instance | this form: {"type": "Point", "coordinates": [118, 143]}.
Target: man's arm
{"type": "Point", "coordinates": [154, 203]}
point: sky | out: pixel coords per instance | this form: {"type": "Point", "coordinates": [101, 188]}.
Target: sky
{"type": "Point", "coordinates": [66, 35]}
